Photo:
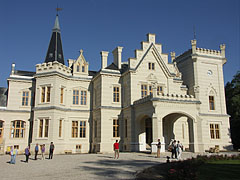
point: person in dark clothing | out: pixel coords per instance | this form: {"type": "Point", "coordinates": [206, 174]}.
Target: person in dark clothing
{"type": "Point", "coordinates": [36, 151]}
{"type": "Point", "coordinates": [51, 149]}
{"type": "Point", "coordinates": [27, 153]}
{"type": "Point", "coordinates": [174, 149]}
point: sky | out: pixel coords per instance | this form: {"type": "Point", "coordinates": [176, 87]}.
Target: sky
{"type": "Point", "coordinates": [102, 25]}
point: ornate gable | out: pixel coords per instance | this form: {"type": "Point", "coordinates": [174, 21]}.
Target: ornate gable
{"type": "Point", "coordinates": [80, 66]}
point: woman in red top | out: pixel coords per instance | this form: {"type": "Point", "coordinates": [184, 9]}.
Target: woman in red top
{"type": "Point", "coordinates": [116, 149]}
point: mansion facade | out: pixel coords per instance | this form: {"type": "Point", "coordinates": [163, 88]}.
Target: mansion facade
{"type": "Point", "coordinates": [136, 101]}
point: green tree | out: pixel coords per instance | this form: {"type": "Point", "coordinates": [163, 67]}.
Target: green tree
{"type": "Point", "coordinates": [232, 90]}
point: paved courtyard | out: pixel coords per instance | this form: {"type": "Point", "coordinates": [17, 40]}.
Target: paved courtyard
{"type": "Point", "coordinates": [81, 166]}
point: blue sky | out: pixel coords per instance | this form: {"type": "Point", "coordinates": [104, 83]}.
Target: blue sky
{"type": "Point", "coordinates": [96, 25]}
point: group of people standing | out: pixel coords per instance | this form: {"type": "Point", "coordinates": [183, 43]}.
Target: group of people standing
{"type": "Point", "coordinates": [176, 149]}
{"type": "Point", "coordinates": [27, 152]}
{"type": "Point", "coordinates": [36, 150]}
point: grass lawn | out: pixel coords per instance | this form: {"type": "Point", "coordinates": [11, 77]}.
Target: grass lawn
{"type": "Point", "coordinates": [220, 170]}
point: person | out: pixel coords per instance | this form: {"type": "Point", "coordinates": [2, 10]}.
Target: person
{"type": "Point", "coordinates": [36, 151]}
{"type": "Point", "coordinates": [13, 154]}
{"type": "Point", "coordinates": [27, 153]}
{"type": "Point", "coordinates": [179, 150]}
{"type": "Point", "coordinates": [116, 149]}
{"type": "Point", "coordinates": [51, 149]}
{"type": "Point", "coordinates": [43, 151]}
{"type": "Point", "coordinates": [158, 148]}
{"type": "Point", "coordinates": [174, 149]}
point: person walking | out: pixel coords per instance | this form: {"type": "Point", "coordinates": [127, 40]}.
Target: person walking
{"type": "Point", "coordinates": [158, 148]}
{"type": "Point", "coordinates": [174, 149]}
{"type": "Point", "coordinates": [36, 151]}
{"type": "Point", "coordinates": [179, 150]}
{"type": "Point", "coordinates": [116, 149]}
{"type": "Point", "coordinates": [27, 153]}
{"type": "Point", "coordinates": [43, 151]}
{"type": "Point", "coordinates": [51, 149]}
{"type": "Point", "coordinates": [13, 154]}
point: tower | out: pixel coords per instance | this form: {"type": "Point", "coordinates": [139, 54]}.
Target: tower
{"type": "Point", "coordinates": [55, 52]}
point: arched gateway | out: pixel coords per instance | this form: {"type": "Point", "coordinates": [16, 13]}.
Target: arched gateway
{"type": "Point", "coordinates": [179, 127]}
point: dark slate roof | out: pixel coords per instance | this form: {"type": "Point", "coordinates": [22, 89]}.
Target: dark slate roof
{"type": "Point", "coordinates": [112, 66]}
{"type": "Point", "coordinates": [55, 51]}
{"type": "Point", "coordinates": [3, 97]}
{"type": "Point", "coordinates": [92, 73]}
{"type": "Point", "coordinates": [24, 73]}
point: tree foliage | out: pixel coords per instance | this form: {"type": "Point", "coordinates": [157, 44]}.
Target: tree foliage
{"type": "Point", "coordinates": [232, 90]}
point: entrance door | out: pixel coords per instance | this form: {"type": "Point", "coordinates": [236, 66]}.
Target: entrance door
{"type": "Point", "coordinates": [148, 125]}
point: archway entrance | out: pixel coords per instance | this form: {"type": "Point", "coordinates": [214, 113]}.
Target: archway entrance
{"type": "Point", "coordinates": [144, 131]}
{"type": "Point", "coordinates": [148, 128]}
{"type": "Point", "coordinates": [179, 127]}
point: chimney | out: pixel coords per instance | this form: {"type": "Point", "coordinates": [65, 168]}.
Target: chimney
{"type": "Point", "coordinates": [117, 55]}
{"type": "Point", "coordinates": [13, 68]}
{"type": "Point", "coordinates": [104, 56]}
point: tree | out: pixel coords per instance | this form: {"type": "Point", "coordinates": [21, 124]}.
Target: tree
{"type": "Point", "coordinates": [232, 90]}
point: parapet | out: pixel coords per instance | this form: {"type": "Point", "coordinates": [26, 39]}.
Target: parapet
{"type": "Point", "coordinates": [53, 67]}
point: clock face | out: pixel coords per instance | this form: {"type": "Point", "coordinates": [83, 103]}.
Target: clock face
{"type": "Point", "coordinates": [209, 72]}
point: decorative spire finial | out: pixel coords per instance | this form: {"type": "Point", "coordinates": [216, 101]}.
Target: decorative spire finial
{"type": "Point", "coordinates": [194, 32]}
{"type": "Point", "coordinates": [81, 51]}
{"type": "Point", "coordinates": [58, 9]}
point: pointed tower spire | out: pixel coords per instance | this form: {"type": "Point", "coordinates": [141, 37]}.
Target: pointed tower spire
{"type": "Point", "coordinates": [55, 52]}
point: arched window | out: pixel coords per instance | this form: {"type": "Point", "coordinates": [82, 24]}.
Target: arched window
{"type": "Point", "coordinates": [17, 129]}
{"type": "Point", "coordinates": [1, 129]}
{"type": "Point", "coordinates": [211, 100]}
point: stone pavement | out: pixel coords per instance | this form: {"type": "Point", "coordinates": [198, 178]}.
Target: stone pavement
{"type": "Point", "coordinates": [80, 166]}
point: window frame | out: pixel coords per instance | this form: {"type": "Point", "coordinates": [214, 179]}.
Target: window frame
{"type": "Point", "coordinates": [1, 128]}
{"type": "Point", "coordinates": [116, 94]}
{"type": "Point", "coordinates": [17, 130]}
{"type": "Point", "coordinates": [215, 131]}
{"type": "Point", "coordinates": [211, 101]}
{"type": "Point", "coordinates": [144, 91]}
{"type": "Point", "coordinates": [25, 98]}
{"type": "Point", "coordinates": [116, 128]}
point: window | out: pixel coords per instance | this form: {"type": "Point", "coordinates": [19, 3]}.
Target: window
{"type": "Point", "coordinates": [17, 129]}
{"type": "Point", "coordinates": [151, 66]}
{"type": "Point", "coordinates": [74, 129]}
{"type": "Point", "coordinates": [1, 129]}
{"type": "Point", "coordinates": [144, 90]}
{"type": "Point", "coordinates": [150, 90]}
{"type": "Point", "coordinates": [159, 90]}
{"type": "Point", "coordinates": [82, 129]}
{"type": "Point", "coordinates": [126, 128]}
{"type": "Point", "coordinates": [115, 128]}
{"type": "Point", "coordinates": [60, 129]}
{"type": "Point", "coordinates": [78, 147]}
{"type": "Point", "coordinates": [46, 128]}
{"type": "Point", "coordinates": [25, 97]}
{"type": "Point", "coordinates": [61, 95]}
{"type": "Point", "coordinates": [211, 103]}
{"type": "Point", "coordinates": [214, 131]}
{"type": "Point", "coordinates": [41, 128]}
{"type": "Point", "coordinates": [115, 94]}
{"type": "Point", "coordinates": [83, 68]}
{"type": "Point", "coordinates": [16, 146]}
{"type": "Point", "coordinates": [83, 97]}
{"type": "Point", "coordinates": [45, 95]}
{"type": "Point", "coordinates": [48, 94]}
{"type": "Point", "coordinates": [75, 96]}
{"type": "Point", "coordinates": [78, 68]}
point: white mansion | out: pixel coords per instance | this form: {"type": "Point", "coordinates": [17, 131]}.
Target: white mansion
{"type": "Point", "coordinates": [135, 101]}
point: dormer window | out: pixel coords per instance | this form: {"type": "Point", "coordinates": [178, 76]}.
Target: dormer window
{"type": "Point", "coordinates": [50, 55]}
{"type": "Point", "coordinates": [59, 56]}
{"type": "Point", "coordinates": [83, 68]}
